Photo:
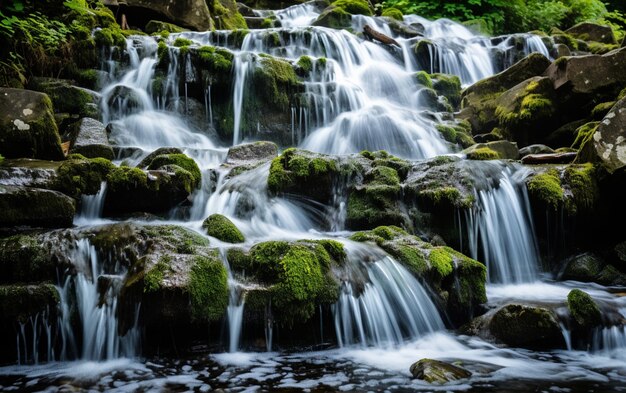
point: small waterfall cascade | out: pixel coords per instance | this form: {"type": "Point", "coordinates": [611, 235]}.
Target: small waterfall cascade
{"type": "Point", "coordinates": [235, 315]}
{"type": "Point", "coordinates": [610, 341]}
{"type": "Point", "coordinates": [95, 289]}
{"type": "Point", "coordinates": [500, 230]}
{"type": "Point", "coordinates": [391, 306]}
{"type": "Point", "coordinates": [91, 206]}
{"type": "Point", "coordinates": [35, 333]}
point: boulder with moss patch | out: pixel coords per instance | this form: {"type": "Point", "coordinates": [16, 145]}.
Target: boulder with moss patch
{"type": "Point", "coordinates": [220, 227]}
{"type": "Point", "coordinates": [19, 303]}
{"type": "Point", "coordinates": [244, 157]}
{"type": "Point", "coordinates": [458, 280]}
{"type": "Point", "coordinates": [587, 31]}
{"type": "Point", "coordinates": [35, 207]}
{"type": "Point", "coordinates": [67, 98]}
{"type": "Point", "coordinates": [583, 309]}
{"type": "Point", "coordinates": [339, 14]}
{"type": "Point", "coordinates": [27, 126]}
{"type": "Point", "coordinates": [438, 372]}
{"type": "Point", "coordinates": [295, 278]}
{"type": "Point", "coordinates": [193, 14]}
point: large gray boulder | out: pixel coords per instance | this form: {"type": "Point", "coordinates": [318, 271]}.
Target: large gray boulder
{"type": "Point", "coordinates": [34, 207]}
{"type": "Point", "coordinates": [592, 32]}
{"type": "Point", "coordinates": [190, 13]}
{"type": "Point", "coordinates": [91, 139]}
{"type": "Point", "coordinates": [27, 126]}
{"type": "Point", "coordinates": [607, 145]}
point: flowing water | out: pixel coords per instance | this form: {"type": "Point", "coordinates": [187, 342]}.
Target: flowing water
{"type": "Point", "coordinates": [362, 96]}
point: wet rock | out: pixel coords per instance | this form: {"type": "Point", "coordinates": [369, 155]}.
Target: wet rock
{"type": "Point", "coordinates": [20, 302]}
{"type": "Point", "coordinates": [478, 100]}
{"type": "Point", "coordinates": [156, 191]}
{"type": "Point", "coordinates": [160, 151]}
{"type": "Point", "coordinates": [607, 144]}
{"type": "Point", "coordinates": [193, 14]}
{"type": "Point", "coordinates": [35, 207]}
{"type": "Point", "coordinates": [91, 140]}
{"type": "Point", "coordinates": [242, 158]}
{"type": "Point", "coordinates": [535, 149]}
{"type": "Point", "coordinates": [583, 267]}
{"type": "Point", "coordinates": [180, 164]}
{"type": "Point", "coordinates": [592, 32]}
{"type": "Point", "coordinates": [157, 26]}
{"type": "Point", "coordinates": [583, 309]}
{"type": "Point", "coordinates": [503, 149]}
{"type": "Point", "coordinates": [67, 98]}
{"type": "Point", "coordinates": [549, 158]}
{"type": "Point", "coordinates": [458, 280]}
{"type": "Point", "coordinates": [27, 126]}
{"type": "Point", "coordinates": [29, 173]}
{"type": "Point", "coordinates": [220, 227]}
{"type": "Point", "coordinates": [571, 74]}
{"type": "Point", "coordinates": [436, 371]}
{"type": "Point", "coordinates": [525, 326]}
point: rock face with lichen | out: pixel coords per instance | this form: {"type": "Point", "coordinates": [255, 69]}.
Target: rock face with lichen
{"type": "Point", "coordinates": [437, 372]}
{"type": "Point", "coordinates": [27, 125]}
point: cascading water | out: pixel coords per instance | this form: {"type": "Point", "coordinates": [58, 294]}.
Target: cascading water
{"type": "Point", "coordinates": [500, 230]}
{"type": "Point", "coordinates": [95, 288]}
{"type": "Point", "coordinates": [390, 308]}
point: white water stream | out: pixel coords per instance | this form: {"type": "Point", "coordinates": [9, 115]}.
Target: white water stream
{"type": "Point", "coordinates": [365, 97]}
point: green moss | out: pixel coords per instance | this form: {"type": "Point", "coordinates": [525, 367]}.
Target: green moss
{"type": "Point", "coordinates": [226, 16]}
{"type": "Point", "coordinates": [290, 169]}
{"type": "Point", "coordinates": [483, 153]}
{"type": "Point", "coordinates": [353, 7]}
{"type": "Point", "coordinates": [154, 277]}
{"type": "Point", "coordinates": [222, 228]}
{"type": "Point", "coordinates": [110, 36]}
{"type": "Point", "coordinates": [393, 13]}
{"type": "Point", "coordinates": [180, 42]}
{"type": "Point", "coordinates": [216, 60]}
{"type": "Point", "coordinates": [546, 187]}
{"type": "Point", "coordinates": [21, 302]}
{"type": "Point", "coordinates": [583, 308]}
{"type": "Point", "coordinates": [237, 36]}
{"type": "Point", "coordinates": [305, 63]}
{"type": "Point", "coordinates": [423, 78]}
{"type": "Point", "coordinates": [278, 178]}
{"type": "Point", "coordinates": [383, 175]}
{"type": "Point", "coordinates": [584, 133]}
{"type": "Point", "coordinates": [580, 180]}
{"type": "Point", "coordinates": [274, 80]}
{"type": "Point", "coordinates": [446, 195]}
{"type": "Point", "coordinates": [600, 48]}
{"type": "Point", "coordinates": [441, 260]}
{"type": "Point", "coordinates": [532, 107]}
{"type": "Point", "coordinates": [1, 159]}
{"type": "Point", "coordinates": [334, 249]}
{"type": "Point", "coordinates": [267, 23]}
{"type": "Point", "coordinates": [81, 176]}
{"type": "Point", "coordinates": [208, 288]}
{"type": "Point", "coordinates": [126, 178]}
{"type": "Point", "coordinates": [600, 110]}
{"type": "Point", "coordinates": [163, 53]}
{"type": "Point", "coordinates": [176, 239]}
{"type": "Point", "coordinates": [180, 160]}
{"type": "Point", "coordinates": [448, 86]}
{"type": "Point", "coordinates": [448, 133]}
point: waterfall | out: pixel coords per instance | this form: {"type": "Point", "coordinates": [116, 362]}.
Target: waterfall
{"type": "Point", "coordinates": [391, 307]}
{"type": "Point", "coordinates": [95, 288]}
{"type": "Point", "coordinates": [241, 66]}
{"type": "Point", "coordinates": [91, 206]}
{"type": "Point", "coordinates": [500, 231]}
{"type": "Point", "coordinates": [32, 333]}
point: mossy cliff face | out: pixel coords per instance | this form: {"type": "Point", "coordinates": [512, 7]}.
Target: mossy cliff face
{"type": "Point", "coordinates": [296, 277]}
{"type": "Point", "coordinates": [458, 280]}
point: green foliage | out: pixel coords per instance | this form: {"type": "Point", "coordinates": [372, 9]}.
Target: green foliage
{"type": "Point", "coordinates": [506, 16]}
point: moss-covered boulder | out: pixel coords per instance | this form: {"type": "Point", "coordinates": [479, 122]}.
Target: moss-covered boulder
{"type": "Point", "coordinates": [526, 326]}
{"type": "Point", "coordinates": [134, 190]}
{"type": "Point", "coordinates": [35, 207]}
{"type": "Point", "coordinates": [587, 31]}
{"type": "Point", "coordinates": [574, 187]}
{"type": "Point", "coordinates": [458, 280]}
{"type": "Point", "coordinates": [193, 14]}
{"type": "Point", "coordinates": [339, 14]}
{"type": "Point", "coordinates": [178, 162]}
{"type": "Point", "coordinates": [157, 26]}
{"type": "Point", "coordinates": [27, 126]}
{"type": "Point", "coordinates": [457, 132]}
{"type": "Point", "coordinates": [583, 309]}
{"type": "Point", "coordinates": [438, 372]}
{"type": "Point", "coordinates": [606, 144]}
{"type": "Point", "coordinates": [147, 160]}
{"type": "Point", "coordinates": [226, 15]}
{"type": "Point", "coordinates": [220, 227]}
{"type": "Point", "coordinates": [582, 267]}
{"type": "Point", "coordinates": [448, 86]}
{"type": "Point", "coordinates": [90, 139]}
{"type": "Point", "coordinates": [67, 98]}
{"type": "Point", "coordinates": [296, 277]}
{"type": "Point", "coordinates": [208, 288]}
{"type": "Point", "coordinates": [478, 100]}
{"type": "Point", "coordinates": [81, 176]}
{"type": "Point", "coordinates": [18, 303]}
{"type": "Point", "coordinates": [304, 173]}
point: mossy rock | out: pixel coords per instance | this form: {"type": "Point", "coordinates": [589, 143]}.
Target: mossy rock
{"type": "Point", "coordinates": [482, 153]}
{"type": "Point", "coordinates": [458, 280]}
{"type": "Point", "coordinates": [296, 275]}
{"type": "Point", "coordinates": [208, 288]}
{"type": "Point", "coordinates": [18, 303]}
{"type": "Point", "coordinates": [181, 161]}
{"type": "Point", "coordinates": [27, 126]}
{"type": "Point", "coordinates": [217, 61]}
{"type": "Point", "coordinates": [437, 372]}
{"type": "Point", "coordinates": [448, 86]}
{"type": "Point", "coordinates": [583, 309]}
{"type": "Point", "coordinates": [295, 171]}
{"type": "Point", "coordinates": [67, 98]}
{"type": "Point", "coordinates": [157, 26]}
{"type": "Point", "coordinates": [222, 228]}
{"type": "Point", "coordinates": [527, 327]}
{"type": "Point", "coordinates": [82, 176]}
{"type": "Point", "coordinates": [458, 132]}
{"type": "Point", "coordinates": [110, 36]}
{"type": "Point", "coordinates": [583, 267]}
{"type": "Point", "coordinates": [226, 16]}
{"type": "Point", "coordinates": [393, 13]}
{"type": "Point", "coordinates": [35, 207]}
{"type": "Point", "coordinates": [274, 80]}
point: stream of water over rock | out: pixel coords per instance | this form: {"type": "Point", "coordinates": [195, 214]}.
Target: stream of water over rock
{"type": "Point", "coordinates": [364, 98]}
